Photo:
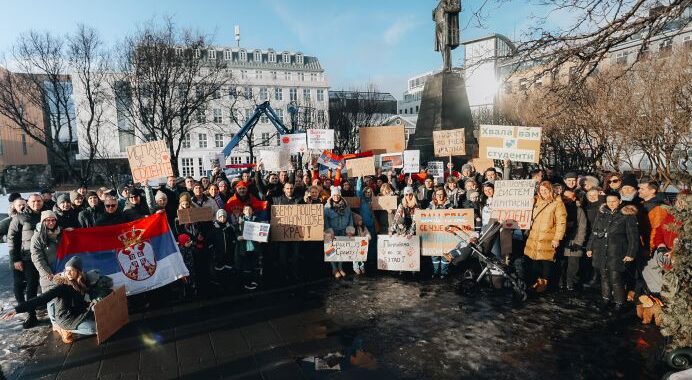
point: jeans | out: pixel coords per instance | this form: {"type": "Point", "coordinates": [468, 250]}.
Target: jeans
{"type": "Point", "coordinates": [289, 259]}
{"type": "Point", "coordinates": [26, 283]}
{"type": "Point", "coordinates": [246, 262]}
{"type": "Point", "coordinates": [337, 266]}
{"type": "Point", "coordinates": [87, 326]}
{"type": "Point", "coordinates": [440, 266]}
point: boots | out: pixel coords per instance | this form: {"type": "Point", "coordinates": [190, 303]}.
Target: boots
{"type": "Point", "coordinates": [66, 336]}
{"type": "Point", "coordinates": [542, 285]}
{"type": "Point", "coordinates": [593, 283]}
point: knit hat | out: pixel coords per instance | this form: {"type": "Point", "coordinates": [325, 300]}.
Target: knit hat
{"type": "Point", "coordinates": [630, 180]}
{"type": "Point", "coordinates": [336, 190]}
{"type": "Point", "coordinates": [75, 262]}
{"type": "Point", "coordinates": [160, 195]}
{"type": "Point", "coordinates": [593, 180]}
{"type": "Point", "coordinates": [408, 190]}
{"type": "Point", "coordinates": [13, 197]}
{"type": "Point", "coordinates": [64, 197]}
{"type": "Point", "coordinates": [571, 175]}
{"type": "Point", "coordinates": [47, 214]}
{"type": "Point", "coordinates": [137, 192]}
{"type": "Point", "coordinates": [241, 184]}
{"type": "Point", "coordinates": [183, 239]}
{"type": "Point", "coordinates": [74, 195]}
{"type": "Point", "coordinates": [221, 212]}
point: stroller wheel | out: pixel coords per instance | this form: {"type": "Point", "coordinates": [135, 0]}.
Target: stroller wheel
{"type": "Point", "coordinates": [519, 290]}
{"type": "Point", "coordinates": [468, 287]}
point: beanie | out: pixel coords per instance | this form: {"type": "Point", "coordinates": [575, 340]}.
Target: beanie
{"type": "Point", "coordinates": [47, 214]}
{"type": "Point", "coordinates": [336, 190]}
{"type": "Point", "coordinates": [64, 197]}
{"type": "Point", "coordinates": [75, 262]}
{"type": "Point", "coordinates": [221, 212]}
{"type": "Point", "coordinates": [160, 195]}
{"type": "Point", "coordinates": [468, 167]}
{"type": "Point", "coordinates": [571, 175]}
{"type": "Point", "coordinates": [74, 195]}
{"type": "Point", "coordinates": [13, 197]}
{"type": "Point", "coordinates": [630, 180]}
{"type": "Point", "coordinates": [241, 184]}
{"type": "Point", "coordinates": [183, 239]}
{"type": "Point", "coordinates": [408, 190]}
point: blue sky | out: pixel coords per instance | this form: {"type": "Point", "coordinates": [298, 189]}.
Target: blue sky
{"type": "Point", "coordinates": [358, 42]}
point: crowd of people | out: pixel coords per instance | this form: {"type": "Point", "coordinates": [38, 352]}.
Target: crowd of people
{"type": "Point", "coordinates": [586, 231]}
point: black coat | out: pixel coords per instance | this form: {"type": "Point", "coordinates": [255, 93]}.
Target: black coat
{"type": "Point", "coordinates": [615, 234]}
{"type": "Point", "coordinates": [67, 219]}
{"type": "Point", "coordinates": [106, 219]}
{"type": "Point", "coordinates": [70, 307]}
{"type": "Point", "coordinates": [87, 217]}
{"type": "Point", "coordinates": [19, 235]}
{"type": "Point", "coordinates": [222, 239]}
{"type": "Point", "coordinates": [133, 212]}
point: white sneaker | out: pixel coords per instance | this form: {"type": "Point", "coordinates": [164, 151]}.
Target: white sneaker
{"type": "Point", "coordinates": [227, 267]}
{"type": "Point", "coordinates": [218, 268]}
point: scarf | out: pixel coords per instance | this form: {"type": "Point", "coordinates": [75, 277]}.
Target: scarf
{"type": "Point", "coordinates": [339, 207]}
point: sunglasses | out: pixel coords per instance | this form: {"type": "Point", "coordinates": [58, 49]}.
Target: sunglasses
{"type": "Point", "coordinates": [110, 206]}
{"type": "Point", "coordinates": [614, 181]}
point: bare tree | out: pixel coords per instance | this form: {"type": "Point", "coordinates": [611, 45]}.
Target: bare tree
{"type": "Point", "coordinates": [167, 78]}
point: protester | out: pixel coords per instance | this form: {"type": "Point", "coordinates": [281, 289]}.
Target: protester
{"type": "Point", "coordinates": [111, 215]}
{"type": "Point", "coordinates": [47, 196]}
{"type": "Point", "coordinates": [337, 216]}
{"type": "Point", "coordinates": [187, 251]}
{"type": "Point", "coordinates": [222, 242]}
{"type": "Point", "coordinates": [367, 216]}
{"type": "Point", "coordinates": [360, 230]}
{"type": "Point", "coordinates": [87, 217]}
{"type": "Point", "coordinates": [574, 240]}
{"type": "Point", "coordinates": [67, 216]}
{"type": "Point", "coordinates": [200, 199]}
{"type": "Point", "coordinates": [135, 207]}
{"type": "Point", "coordinates": [17, 206]}
{"type": "Point", "coordinates": [424, 193]}
{"type": "Point", "coordinates": [247, 252]}
{"type": "Point", "coordinates": [44, 245]}
{"type": "Point", "coordinates": [439, 263]}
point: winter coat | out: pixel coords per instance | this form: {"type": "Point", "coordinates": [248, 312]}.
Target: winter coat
{"type": "Point", "coordinates": [204, 201]}
{"type": "Point", "coordinates": [456, 197]}
{"type": "Point", "coordinates": [649, 225]}
{"type": "Point", "coordinates": [549, 224]}
{"type": "Point", "coordinates": [337, 220]}
{"type": "Point", "coordinates": [591, 210]}
{"type": "Point", "coordinates": [67, 219]}
{"type": "Point", "coordinates": [365, 209]}
{"type": "Point", "coordinates": [424, 196]}
{"type": "Point", "coordinates": [87, 217]}
{"type": "Point", "coordinates": [245, 246]}
{"type": "Point", "coordinates": [20, 233]}
{"type": "Point", "coordinates": [575, 234]}
{"type": "Point", "coordinates": [283, 200]}
{"type": "Point", "coordinates": [106, 219]}
{"type": "Point", "coordinates": [71, 308]}
{"type": "Point", "coordinates": [133, 211]}
{"type": "Point", "coordinates": [44, 255]}
{"type": "Point", "coordinates": [222, 239]}
{"type": "Point", "coordinates": [615, 234]}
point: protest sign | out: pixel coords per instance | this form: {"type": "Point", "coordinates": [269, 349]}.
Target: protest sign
{"type": "Point", "coordinates": [256, 231]}
{"type": "Point", "coordinates": [195, 214]}
{"type": "Point", "coordinates": [320, 139]}
{"type": "Point", "coordinates": [345, 248]}
{"type": "Point", "coordinates": [352, 202]}
{"type": "Point", "coordinates": [275, 160]}
{"type": "Point", "coordinates": [382, 139]}
{"type": "Point", "coordinates": [359, 167]}
{"type": "Point", "coordinates": [297, 222]}
{"type": "Point", "coordinates": [294, 143]}
{"type": "Point", "coordinates": [519, 144]}
{"type": "Point", "coordinates": [398, 253]}
{"type": "Point", "coordinates": [513, 203]}
{"type": "Point", "coordinates": [212, 161]}
{"type": "Point", "coordinates": [480, 164]}
{"type": "Point", "coordinates": [149, 161]}
{"type": "Point", "coordinates": [436, 169]}
{"type": "Point", "coordinates": [330, 160]}
{"type": "Point", "coordinates": [431, 224]}
{"type": "Point", "coordinates": [449, 143]}
{"type": "Point", "coordinates": [411, 161]}
{"type": "Point", "coordinates": [384, 202]}
{"type": "Point", "coordinates": [111, 314]}
{"type": "Point", "coordinates": [389, 161]}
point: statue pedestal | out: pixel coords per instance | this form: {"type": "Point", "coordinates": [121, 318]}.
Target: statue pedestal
{"type": "Point", "coordinates": [444, 105]}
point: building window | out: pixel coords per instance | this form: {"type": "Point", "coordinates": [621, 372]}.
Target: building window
{"type": "Point", "coordinates": [248, 92]}
{"type": "Point", "coordinates": [242, 55]}
{"type": "Point", "coordinates": [202, 140]}
{"type": "Point", "coordinates": [188, 167]}
{"type": "Point", "coordinates": [217, 115]}
{"type": "Point", "coordinates": [227, 55]}
{"type": "Point", "coordinates": [320, 116]}
{"type": "Point", "coordinates": [263, 93]}
{"type": "Point", "coordinates": [416, 109]}
{"type": "Point", "coordinates": [265, 139]}
{"type": "Point", "coordinates": [687, 42]}
{"type": "Point", "coordinates": [271, 56]}
{"type": "Point", "coordinates": [258, 74]}
{"type": "Point", "coordinates": [306, 94]}
{"type": "Point", "coordinates": [320, 95]}
{"type": "Point", "coordinates": [313, 77]}
{"type": "Point", "coordinates": [243, 74]}
{"type": "Point", "coordinates": [287, 75]}
{"type": "Point", "coordinates": [201, 115]}
{"type": "Point", "coordinates": [186, 141]}
{"type": "Point", "coordinates": [286, 57]}
{"type": "Point", "coordinates": [211, 54]}
{"type": "Point", "coordinates": [293, 94]}
{"type": "Point", "coordinates": [178, 51]}
{"type": "Point", "coordinates": [257, 56]}
{"type": "Point", "coordinates": [280, 115]}
{"type": "Point", "coordinates": [411, 110]}
{"type": "Point", "coordinates": [24, 150]}
{"type": "Point", "coordinates": [236, 160]}
{"type": "Point", "coordinates": [197, 53]}
{"type": "Point", "coordinates": [299, 58]}
{"type": "Point", "coordinates": [406, 111]}
{"type": "Point", "coordinates": [301, 77]}
{"type": "Point", "coordinates": [218, 140]}
{"type": "Point", "coordinates": [264, 119]}
{"type": "Point", "coordinates": [273, 74]}
{"type": "Point", "coordinates": [278, 93]}
{"type": "Point", "coordinates": [200, 165]}
{"type": "Point", "coordinates": [621, 57]}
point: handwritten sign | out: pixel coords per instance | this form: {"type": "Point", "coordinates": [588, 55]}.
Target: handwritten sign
{"type": "Point", "coordinates": [212, 161]}
{"type": "Point", "coordinates": [195, 214]}
{"type": "Point", "coordinates": [149, 161]}
{"type": "Point", "coordinates": [345, 248]}
{"type": "Point", "coordinates": [411, 161]}
{"type": "Point", "coordinates": [519, 144]}
{"type": "Point", "coordinates": [384, 202]}
{"type": "Point", "coordinates": [256, 231]}
{"type": "Point", "coordinates": [513, 203]}
{"type": "Point", "coordinates": [359, 167]}
{"type": "Point", "coordinates": [398, 253]}
{"type": "Point", "coordinates": [294, 143]}
{"type": "Point", "coordinates": [297, 222]}
{"type": "Point", "coordinates": [382, 139]}
{"type": "Point", "coordinates": [480, 164]}
{"type": "Point", "coordinates": [352, 202]}
{"type": "Point", "coordinates": [320, 139]}
{"type": "Point", "coordinates": [389, 161]}
{"type": "Point", "coordinates": [449, 143]}
{"type": "Point", "coordinates": [111, 314]}
{"type": "Point", "coordinates": [431, 224]}
{"type": "Point", "coordinates": [275, 160]}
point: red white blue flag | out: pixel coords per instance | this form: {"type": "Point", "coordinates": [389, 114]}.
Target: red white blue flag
{"type": "Point", "coordinates": [141, 255]}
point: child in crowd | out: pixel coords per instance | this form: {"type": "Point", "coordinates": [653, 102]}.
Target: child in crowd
{"type": "Point", "coordinates": [222, 243]}
{"type": "Point", "coordinates": [358, 230]}
{"type": "Point", "coordinates": [188, 252]}
{"type": "Point", "coordinates": [247, 252]}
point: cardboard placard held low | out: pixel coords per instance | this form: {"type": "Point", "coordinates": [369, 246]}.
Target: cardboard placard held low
{"type": "Point", "coordinates": [359, 167]}
{"type": "Point", "coordinates": [384, 202]}
{"type": "Point", "coordinates": [352, 202]}
{"type": "Point", "coordinates": [195, 214]}
{"type": "Point", "coordinates": [111, 314]}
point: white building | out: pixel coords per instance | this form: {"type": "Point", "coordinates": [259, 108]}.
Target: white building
{"type": "Point", "coordinates": [410, 103]}
{"type": "Point", "coordinates": [281, 77]}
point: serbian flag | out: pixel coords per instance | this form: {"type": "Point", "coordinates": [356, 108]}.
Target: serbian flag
{"type": "Point", "coordinates": [140, 255]}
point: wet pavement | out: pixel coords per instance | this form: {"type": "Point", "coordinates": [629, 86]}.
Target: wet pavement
{"type": "Point", "coordinates": [379, 328]}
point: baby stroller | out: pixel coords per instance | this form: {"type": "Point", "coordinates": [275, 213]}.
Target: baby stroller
{"type": "Point", "coordinates": [492, 269]}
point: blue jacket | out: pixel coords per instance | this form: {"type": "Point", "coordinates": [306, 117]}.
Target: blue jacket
{"type": "Point", "coordinates": [335, 221]}
{"type": "Point", "coordinates": [365, 209]}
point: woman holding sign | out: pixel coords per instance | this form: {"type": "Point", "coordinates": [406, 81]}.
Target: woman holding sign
{"type": "Point", "coordinates": [548, 226]}
{"type": "Point", "coordinates": [439, 263]}
{"type": "Point", "coordinates": [365, 193]}
{"type": "Point", "coordinates": [337, 217]}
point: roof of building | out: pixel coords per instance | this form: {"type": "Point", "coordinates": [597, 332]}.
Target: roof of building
{"type": "Point", "coordinates": [491, 36]}
{"type": "Point", "coordinates": [382, 96]}
{"type": "Point", "coordinates": [264, 61]}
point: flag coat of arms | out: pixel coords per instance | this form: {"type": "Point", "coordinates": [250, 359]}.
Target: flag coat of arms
{"type": "Point", "coordinates": [140, 255]}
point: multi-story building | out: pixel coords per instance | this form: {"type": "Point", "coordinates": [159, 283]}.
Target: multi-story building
{"type": "Point", "coordinates": [280, 77]}
{"type": "Point", "coordinates": [409, 105]}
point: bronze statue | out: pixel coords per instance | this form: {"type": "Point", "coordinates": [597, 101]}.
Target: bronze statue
{"type": "Point", "coordinates": [446, 17]}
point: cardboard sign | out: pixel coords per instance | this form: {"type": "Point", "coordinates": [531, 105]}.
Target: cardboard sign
{"type": "Point", "coordinates": [513, 203]}
{"type": "Point", "coordinates": [384, 202]}
{"type": "Point", "coordinates": [519, 144]}
{"type": "Point", "coordinates": [449, 143]}
{"type": "Point", "coordinates": [431, 224]}
{"type": "Point", "coordinates": [111, 314]}
{"type": "Point", "coordinates": [256, 231]}
{"type": "Point", "coordinates": [382, 139]}
{"type": "Point", "coordinates": [149, 161]}
{"type": "Point", "coordinates": [480, 164]}
{"type": "Point", "coordinates": [398, 253]}
{"type": "Point", "coordinates": [212, 161]}
{"type": "Point", "coordinates": [195, 214]}
{"type": "Point", "coordinates": [359, 167]}
{"type": "Point", "coordinates": [391, 161]}
{"type": "Point", "coordinates": [297, 222]}
{"type": "Point", "coordinates": [275, 160]}
{"type": "Point", "coordinates": [320, 139]}
{"type": "Point", "coordinates": [436, 168]}
{"type": "Point", "coordinates": [411, 161]}
{"type": "Point", "coordinates": [294, 143]}
{"type": "Point", "coordinates": [352, 202]}
{"type": "Point", "coordinates": [344, 248]}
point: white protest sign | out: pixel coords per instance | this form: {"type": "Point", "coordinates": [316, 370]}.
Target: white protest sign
{"type": "Point", "coordinates": [513, 203]}
{"type": "Point", "coordinates": [436, 168]}
{"type": "Point", "coordinates": [398, 253]}
{"type": "Point", "coordinates": [411, 161]}
{"type": "Point", "coordinates": [294, 143]}
{"type": "Point", "coordinates": [275, 160]}
{"type": "Point", "coordinates": [256, 231]}
{"type": "Point", "coordinates": [212, 161]}
{"type": "Point", "coordinates": [344, 248]}
{"type": "Point", "coordinates": [320, 139]}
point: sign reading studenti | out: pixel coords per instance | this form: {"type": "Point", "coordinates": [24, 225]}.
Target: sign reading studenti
{"type": "Point", "coordinates": [519, 144]}
{"type": "Point", "coordinates": [294, 143]}
{"type": "Point", "coordinates": [320, 139]}
{"type": "Point", "coordinates": [513, 203]}
{"type": "Point", "coordinates": [449, 143]}
{"type": "Point", "coordinates": [256, 231]}
{"type": "Point", "coordinates": [345, 248]}
{"type": "Point", "coordinates": [149, 161]}
{"type": "Point", "coordinates": [297, 222]}
{"type": "Point", "coordinates": [431, 224]}
{"type": "Point", "coordinates": [398, 253]}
